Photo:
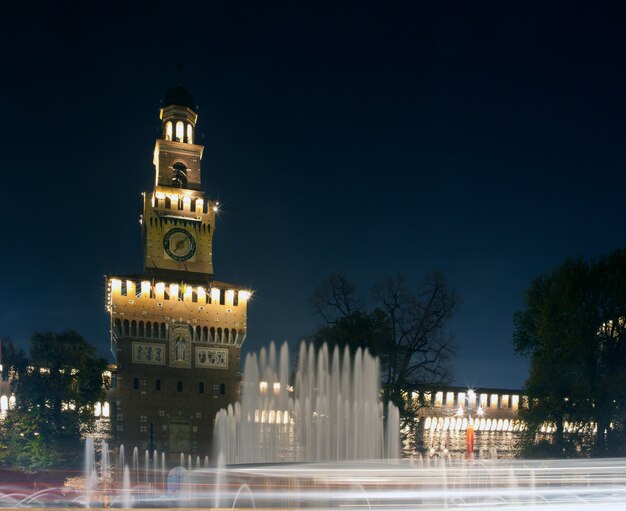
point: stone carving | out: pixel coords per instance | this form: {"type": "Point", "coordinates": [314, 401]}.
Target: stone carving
{"type": "Point", "coordinates": [148, 353]}
{"type": "Point", "coordinates": [211, 357]}
{"type": "Point", "coordinates": [180, 346]}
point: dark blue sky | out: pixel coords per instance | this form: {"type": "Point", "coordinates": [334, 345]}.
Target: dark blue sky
{"type": "Point", "coordinates": [485, 141]}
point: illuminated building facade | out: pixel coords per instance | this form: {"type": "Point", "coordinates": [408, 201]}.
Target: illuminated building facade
{"type": "Point", "coordinates": [176, 333]}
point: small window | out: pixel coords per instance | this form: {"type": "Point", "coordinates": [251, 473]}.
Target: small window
{"type": "Point", "coordinates": [179, 178]}
{"type": "Point", "coordinates": [135, 383]}
{"type": "Point", "coordinates": [168, 130]}
{"type": "Point", "coordinates": [179, 386]}
{"type": "Point", "coordinates": [201, 387]}
{"type": "Point", "coordinates": [222, 388]}
{"type": "Point", "coordinates": [180, 131]}
{"type": "Point", "coordinates": [189, 134]}
{"type": "Point", "coordinates": [157, 384]}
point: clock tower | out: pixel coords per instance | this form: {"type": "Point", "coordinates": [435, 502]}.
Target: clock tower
{"type": "Point", "coordinates": [176, 332]}
{"type": "Point", "coordinates": [178, 222]}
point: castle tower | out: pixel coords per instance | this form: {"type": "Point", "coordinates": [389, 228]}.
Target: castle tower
{"type": "Point", "coordinates": [176, 333]}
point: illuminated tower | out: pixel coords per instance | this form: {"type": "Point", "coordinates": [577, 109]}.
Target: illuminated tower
{"type": "Point", "coordinates": [176, 332]}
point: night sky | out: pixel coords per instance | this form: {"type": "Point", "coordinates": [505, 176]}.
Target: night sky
{"type": "Point", "coordinates": [486, 141]}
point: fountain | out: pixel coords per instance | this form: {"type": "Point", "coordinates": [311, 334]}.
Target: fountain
{"type": "Point", "coordinates": [334, 412]}
{"type": "Point", "coordinates": [331, 425]}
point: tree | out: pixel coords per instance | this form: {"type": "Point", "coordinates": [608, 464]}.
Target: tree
{"type": "Point", "coordinates": [407, 330]}
{"type": "Point", "coordinates": [572, 328]}
{"type": "Point", "coordinates": [56, 387]}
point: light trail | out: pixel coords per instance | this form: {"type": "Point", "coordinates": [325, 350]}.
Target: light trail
{"type": "Point", "coordinates": [573, 485]}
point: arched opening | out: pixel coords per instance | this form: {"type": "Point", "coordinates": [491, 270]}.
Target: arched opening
{"type": "Point", "coordinates": [168, 130]}
{"type": "Point", "coordinates": [163, 331]}
{"type": "Point", "coordinates": [198, 336]}
{"type": "Point", "coordinates": [212, 335]}
{"type": "Point", "coordinates": [126, 327]}
{"type": "Point", "coordinates": [180, 131]}
{"type": "Point", "coordinates": [189, 134]}
{"type": "Point", "coordinates": [148, 329]}
{"type": "Point", "coordinates": [179, 176]}
{"type": "Point", "coordinates": [219, 335]}
{"type": "Point", "coordinates": [140, 333]}
{"type": "Point", "coordinates": [133, 329]}
{"type": "Point", "coordinates": [233, 336]}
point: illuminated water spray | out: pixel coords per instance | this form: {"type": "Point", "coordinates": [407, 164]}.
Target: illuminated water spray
{"type": "Point", "coordinates": [333, 411]}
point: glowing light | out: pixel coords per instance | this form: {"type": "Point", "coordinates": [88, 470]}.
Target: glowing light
{"type": "Point", "coordinates": [276, 387]}
{"type": "Point", "coordinates": [106, 410]}
{"type": "Point", "coordinates": [160, 288]}
{"type": "Point", "coordinates": [188, 292]}
{"type": "Point", "coordinates": [459, 412]}
{"type": "Point", "coordinates": [480, 411]}
{"type": "Point", "coordinates": [173, 291]}
{"type": "Point", "coordinates": [263, 387]}
{"type": "Point", "coordinates": [215, 295]}
{"type": "Point", "coordinates": [244, 295]}
{"type": "Point", "coordinates": [116, 286]}
{"type": "Point", "coordinates": [145, 288]}
{"type": "Point", "coordinates": [160, 195]}
{"type": "Point", "coordinates": [230, 296]}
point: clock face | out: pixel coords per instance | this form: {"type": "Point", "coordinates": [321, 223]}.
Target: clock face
{"type": "Point", "coordinates": [179, 244]}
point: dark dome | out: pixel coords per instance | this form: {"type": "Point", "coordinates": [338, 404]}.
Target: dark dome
{"type": "Point", "coordinates": [179, 96]}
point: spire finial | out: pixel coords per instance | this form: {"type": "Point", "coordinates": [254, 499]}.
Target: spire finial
{"type": "Point", "coordinates": [179, 68]}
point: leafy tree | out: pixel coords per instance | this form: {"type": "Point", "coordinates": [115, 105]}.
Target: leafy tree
{"type": "Point", "coordinates": [406, 329]}
{"type": "Point", "coordinates": [573, 329]}
{"type": "Point", "coordinates": [56, 387]}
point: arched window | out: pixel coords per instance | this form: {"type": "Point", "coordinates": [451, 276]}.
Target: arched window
{"type": "Point", "coordinates": [148, 329]}
{"type": "Point", "coordinates": [189, 134]}
{"type": "Point", "coordinates": [126, 327]}
{"type": "Point", "coordinates": [213, 339]}
{"type": "Point", "coordinates": [180, 131]}
{"type": "Point", "coordinates": [168, 203]}
{"type": "Point", "coordinates": [140, 333]}
{"type": "Point", "coordinates": [133, 329]}
{"type": "Point", "coordinates": [163, 331]}
{"type": "Point", "coordinates": [179, 176]}
{"type": "Point", "coordinates": [219, 335]}
{"type": "Point", "coordinates": [205, 335]}
{"type": "Point", "coordinates": [168, 130]}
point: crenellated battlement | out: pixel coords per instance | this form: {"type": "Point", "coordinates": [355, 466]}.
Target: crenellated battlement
{"type": "Point", "coordinates": [185, 201]}
{"type": "Point", "coordinates": [216, 313]}
{"type": "Point", "coordinates": [119, 288]}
